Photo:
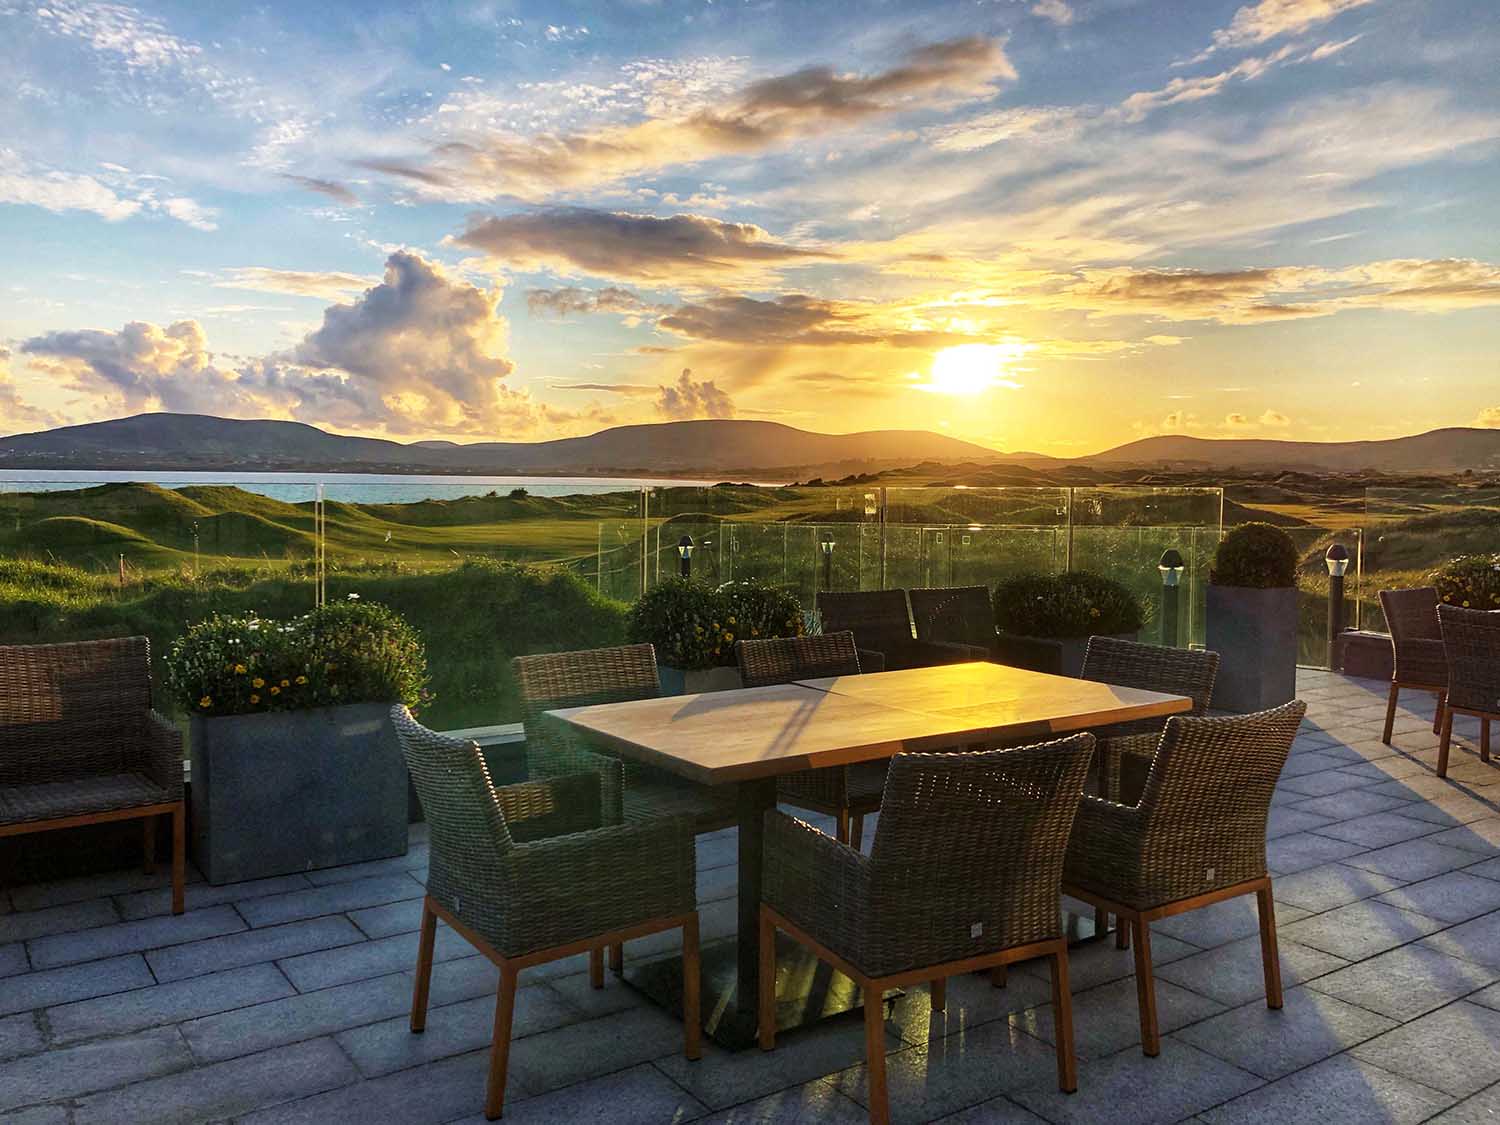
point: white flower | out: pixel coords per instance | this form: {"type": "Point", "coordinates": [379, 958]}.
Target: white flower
{"type": "Point", "coordinates": [354, 597]}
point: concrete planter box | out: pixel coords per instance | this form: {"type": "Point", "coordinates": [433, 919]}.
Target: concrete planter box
{"type": "Point", "coordinates": [297, 790]}
{"type": "Point", "coordinates": [695, 681]}
{"type": "Point", "coordinates": [1061, 656]}
{"type": "Point", "coordinates": [1255, 634]}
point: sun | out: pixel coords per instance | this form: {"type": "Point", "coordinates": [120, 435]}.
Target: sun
{"type": "Point", "coordinates": [970, 369]}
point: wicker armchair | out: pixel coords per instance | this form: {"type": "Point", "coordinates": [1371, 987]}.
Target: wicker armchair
{"type": "Point", "coordinates": [1126, 749]}
{"type": "Point", "coordinates": [527, 874]}
{"type": "Point", "coordinates": [1411, 616]}
{"type": "Point", "coordinates": [1471, 639]}
{"type": "Point", "coordinates": [1197, 837]}
{"type": "Point", "coordinates": [80, 744]}
{"type": "Point", "coordinates": [846, 793]}
{"type": "Point", "coordinates": [881, 622]}
{"type": "Point", "coordinates": [964, 875]}
{"type": "Point", "coordinates": [955, 615]}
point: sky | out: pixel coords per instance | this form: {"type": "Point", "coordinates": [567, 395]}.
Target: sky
{"type": "Point", "coordinates": [1045, 225]}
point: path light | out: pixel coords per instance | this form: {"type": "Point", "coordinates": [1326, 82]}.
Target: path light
{"type": "Point", "coordinates": [1337, 560]}
{"type": "Point", "coordinates": [685, 553]}
{"type": "Point", "coordinates": [1171, 567]}
{"type": "Point", "coordinates": [825, 544]}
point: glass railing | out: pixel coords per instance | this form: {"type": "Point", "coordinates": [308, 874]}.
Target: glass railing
{"type": "Point", "coordinates": [1409, 532]}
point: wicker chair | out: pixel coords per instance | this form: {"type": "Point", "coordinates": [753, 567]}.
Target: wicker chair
{"type": "Point", "coordinates": [1411, 616]}
{"type": "Point", "coordinates": [1197, 837]}
{"type": "Point", "coordinates": [527, 874]}
{"type": "Point", "coordinates": [881, 622]}
{"type": "Point", "coordinates": [964, 875]}
{"type": "Point", "coordinates": [955, 615]}
{"type": "Point", "coordinates": [1471, 639]}
{"type": "Point", "coordinates": [80, 744]}
{"type": "Point", "coordinates": [1126, 749]}
{"type": "Point", "coordinates": [846, 793]}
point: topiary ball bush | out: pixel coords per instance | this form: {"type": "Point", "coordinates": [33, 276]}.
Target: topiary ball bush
{"type": "Point", "coordinates": [1257, 556]}
{"type": "Point", "coordinates": [1076, 604]}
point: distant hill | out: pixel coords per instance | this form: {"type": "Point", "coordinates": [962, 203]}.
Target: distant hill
{"type": "Point", "coordinates": [718, 447]}
{"type": "Point", "coordinates": [1444, 451]}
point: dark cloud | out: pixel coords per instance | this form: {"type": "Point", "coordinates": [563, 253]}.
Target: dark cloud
{"type": "Point", "coordinates": [331, 188]}
{"type": "Point", "coordinates": [571, 301]}
{"type": "Point", "coordinates": [796, 318]}
{"type": "Point", "coordinates": [690, 398]}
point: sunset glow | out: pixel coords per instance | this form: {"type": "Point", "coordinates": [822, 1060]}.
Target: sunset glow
{"type": "Point", "coordinates": [970, 369]}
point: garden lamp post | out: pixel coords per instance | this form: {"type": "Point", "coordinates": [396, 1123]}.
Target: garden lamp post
{"type": "Point", "coordinates": [825, 544]}
{"type": "Point", "coordinates": [1171, 567]}
{"type": "Point", "coordinates": [1337, 559]}
{"type": "Point", "coordinates": [685, 553]}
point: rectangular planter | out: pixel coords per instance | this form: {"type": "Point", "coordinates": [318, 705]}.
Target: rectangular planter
{"type": "Point", "coordinates": [1255, 634]}
{"type": "Point", "coordinates": [694, 681]}
{"type": "Point", "coordinates": [1061, 656]}
{"type": "Point", "coordinates": [297, 790]}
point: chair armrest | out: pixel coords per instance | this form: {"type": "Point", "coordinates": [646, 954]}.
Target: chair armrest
{"type": "Point", "coordinates": [948, 652]}
{"type": "Point", "coordinates": [578, 756]}
{"type": "Point", "coordinates": [556, 806]}
{"type": "Point", "coordinates": [870, 660]}
{"type": "Point", "coordinates": [815, 881]}
{"type": "Point", "coordinates": [1127, 760]}
{"type": "Point", "coordinates": [1104, 848]}
{"type": "Point", "coordinates": [162, 759]}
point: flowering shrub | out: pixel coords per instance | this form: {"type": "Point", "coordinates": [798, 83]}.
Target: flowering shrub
{"type": "Point", "coordinates": [1076, 604]}
{"type": "Point", "coordinates": [345, 652]}
{"type": "Point", "coordinates": [1255, 555]}
{"type": "Point", "coordinates": [1469, 580]}
{"type": "Point", "coordinates": [693, 625]}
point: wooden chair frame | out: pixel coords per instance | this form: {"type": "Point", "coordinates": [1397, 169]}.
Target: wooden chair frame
{"type": "Point", "coordinates": [936, 977]}
{"type": "Point", "coordinates": [177, 810]}
{"type": "Point", "coordinates": [1447, 712]}
{"type": "Point", "coordinates": [1390, 707]}
{"type": "Point", "coordinates": [1139, 922]}
{"type": "Point", "coordinates": [510, 969]}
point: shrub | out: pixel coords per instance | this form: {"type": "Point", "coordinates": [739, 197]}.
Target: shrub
{"type": "Point", "coordinates": [1469, 580]}
{"type": "Point", "coordinates": [1076, 604]}
{"type": "Point", "coordinates": [1255, 555]}
{"type": "Point", "coordinates": [344, 652]}
{"type": "Point", "coordinates": [694, 625]}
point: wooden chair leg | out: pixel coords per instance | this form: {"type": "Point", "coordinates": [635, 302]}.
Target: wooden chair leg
{"type": "Point", "coordinates": [841, 829]}
{"type": "Point", "coordinates": [1390, 712]}
{"type": "Point", "coordinates": [148, 845]}
{"type": "Point", "coordinates": [1145, 988]}
{"type": "Point", "coordinates": [1444, 742]}
{"type": "Point", "coordinates": [1000, 976]}
{"type": "Point", "coordinates": [856, 830]}
{"type": "Point", "coordinates": [179, 858]}
{"type": "Point", "coordinates": [423, 983]}
{"type": "Point", "coordinates": [692, 981]}
{"type": "Point", "coordinates": [1270, 958]}
{"type": "Point", "coordinates": [879, 1097]}
{"type": "Point", "coordinates": [617, 958]}
{"type": "Point", "coordinates": [1122, 932]}
{"type": "Point", "coordinates": [596, 968]}
{"type": "Point", "coordinates": [1484, 740]}
{"type": "Point", "coordinates": [1437, 716]}
{"type": "Point", "coordinates": [1062, 1009]}
{"type": "Point", "coordinates": [939, 992]}
{"type": "Point", "coordinates": [505, 1008]}
{"type": "Point", "coordinates": [766, 1001]}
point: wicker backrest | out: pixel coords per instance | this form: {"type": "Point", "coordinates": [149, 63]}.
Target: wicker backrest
{"type": "Point", "coordinates": [963, 614]}
{"type": "Point", "coordinates": [780, 660]}
{"type": "Point", "coordinates": [554, 680]}
{"type": "Point", "coordinates": [973, 840]}
{"type": "Point", "coordinates": [1175, 671]}
{"type": "Point", "coordinates": [1411, 614]}
{"type": "Point", "coordinates": [1209, 793]}
{"type": "Point", "coordinates": [1471, 640]}
{"type": "Point", "coordinates": [72, 710]}
{"type": "Point", "coordinates": [879, 619]}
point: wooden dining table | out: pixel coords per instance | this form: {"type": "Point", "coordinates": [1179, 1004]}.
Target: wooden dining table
{"type": "Point", "coordinates": [751, 736]}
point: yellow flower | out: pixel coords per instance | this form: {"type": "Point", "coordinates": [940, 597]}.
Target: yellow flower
{"type": "Point", "coordinates": [275, 690]}
{"type": "Point", "coordinates": [205, 703]}
{"type": "Point", "coordinates": [257, 682]}
{"type": "Point", "coordinates": [239, 669]}
{"type": "Point", "coordinates": [286, 683]}
{"type": "Point", "coordinates": [255, 699]}
{"type": "Point", "coordinates": [731, 621]}
{"type": "Point", "coordinates": [302, 679]}
{"type": "Point", "coordinates": [1093, 613]}
{"type": "Point", "coordinates": [729, 638]}
{"type": "Point", "coordinates": [1466, 601]}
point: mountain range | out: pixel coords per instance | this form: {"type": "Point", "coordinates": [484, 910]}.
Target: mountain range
{"type": "Point", "coordinates": [719, 447]}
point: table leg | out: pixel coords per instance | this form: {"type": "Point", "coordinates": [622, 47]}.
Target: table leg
{"type": "Point", "coordinates": [754, 798]}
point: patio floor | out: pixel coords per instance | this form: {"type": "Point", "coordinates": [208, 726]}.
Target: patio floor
{"type": "Point", "coordinates": [285, 999]}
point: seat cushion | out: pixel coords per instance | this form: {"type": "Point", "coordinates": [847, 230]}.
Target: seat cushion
{"type": "Point", "coordinates": [20, 804]}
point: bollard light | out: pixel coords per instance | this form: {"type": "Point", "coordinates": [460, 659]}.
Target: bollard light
{"type": "Point", "coordinates": [1337, 559]}
{"type": "Point", "coordinates": [685, 553]}
{"type": "Point", "coordinates": [825, 544]}
{"type": "Point", "coordinates": [1171, 567]}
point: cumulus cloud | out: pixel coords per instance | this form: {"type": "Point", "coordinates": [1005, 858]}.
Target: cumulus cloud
{"type": "Point", "coordinates": [1274, 418]}
{"type": "Point", "coordinates": [621, 244]}
{"type": "Point", "coordinates": [15, 411]}
{"type": "Point", "coordinates": [571, 301]}
{"type": "Point", "coordinates": [756, 117]}
{"type": "Point", "coordinates": [1261, 22]}
{"type": "Point", "coordinates": [331, 188]}
{"type": "Point", "coordinates": [328, 285]}
{"type": "Point", "coordinates": [690, 398]}
{"type": "Point", "coordinates": [1488, 418]}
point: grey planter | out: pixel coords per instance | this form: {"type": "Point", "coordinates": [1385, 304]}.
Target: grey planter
{"type": "Point", "coordinates": [1255, 634]}
{"type": "Point", "coordinates": [294, 791]}
{"type": "Point", "coordinates": [694, 681]}
{"type": "Point", "coordinates": [1061, 656]}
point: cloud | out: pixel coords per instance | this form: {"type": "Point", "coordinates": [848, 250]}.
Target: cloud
{"type": "Point", "coordinates": [1274, 418]}
{"type": "Point", "coordinates": [572, 301]}
{"type": "Point", "coordinates": [1048, 124]}
{"type": "Point", "coordinates": [324, 284]}
{"type": "Point", "coordinates": [1055, 10]}
{"type": "Point", "coordinates": [331, 188]}
{"type": "Point", "coordinates": [188, 211]}
{"type": "Point", "coordinates": [689, 398]}
{"type": "Point", "coordinates": [113, 193]}
{"type": "Point", "coordinates": [16, 411]}
{"type": "Point", "coordinates": [626, 245]}
{"type": "Point", "coordinates": [630, 390]}
{"type": "Point", "coordinates": [1488, 418]}
{"type": "Point", "coordinates": [800, 319]}
{"type": "Point", "coordinates": [756, 117]}
{"type": "Point", "coordinates": [1179, 90]}
{"type": "Point", "coordinates": [1261, 22]}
